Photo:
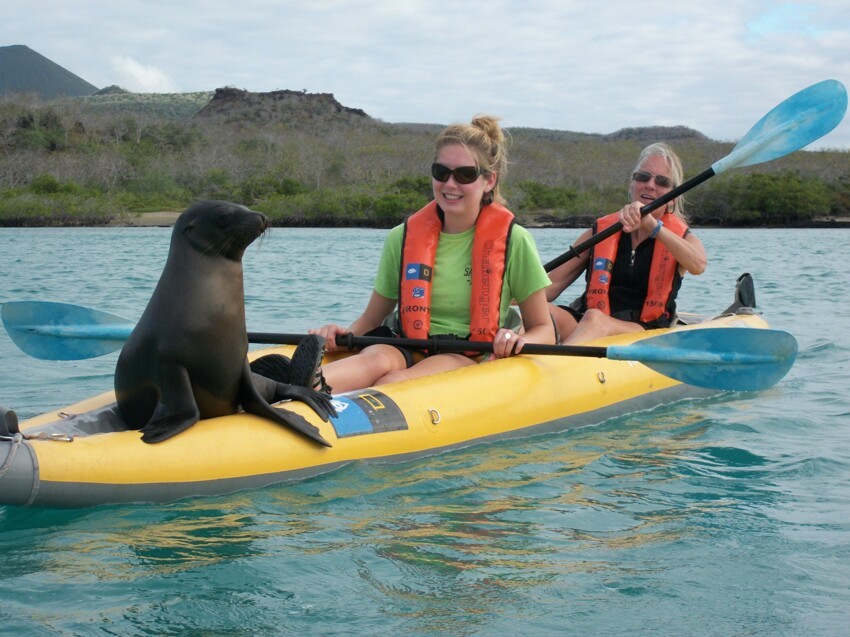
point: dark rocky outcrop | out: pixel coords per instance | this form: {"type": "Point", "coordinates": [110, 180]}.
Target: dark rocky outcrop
{"type": "Point", "coordinates": [285, 106]}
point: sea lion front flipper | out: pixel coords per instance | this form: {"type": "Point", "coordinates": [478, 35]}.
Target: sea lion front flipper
{"type": "Point", "coordinates": [255, 403]}
{"type": "Point", "coordinates": [176, 411]}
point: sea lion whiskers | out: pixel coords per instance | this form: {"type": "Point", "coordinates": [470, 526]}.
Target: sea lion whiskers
{"type": "Point", "coordinates": [266, 235]}
{"type": "Point", "coordinates": [241, 237]}
{"type": "Point", "coordinates": [221, 229]}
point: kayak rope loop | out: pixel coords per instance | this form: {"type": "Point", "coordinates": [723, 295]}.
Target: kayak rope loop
{"type": "Point", "coordinates": [17, 440]}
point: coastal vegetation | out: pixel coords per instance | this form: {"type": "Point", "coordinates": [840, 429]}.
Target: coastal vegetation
{"type": "Point", "coordinates": [304, 159]}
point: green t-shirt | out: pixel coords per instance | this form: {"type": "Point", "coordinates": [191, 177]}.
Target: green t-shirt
{"type": "Point", "coordinates": [451, 282]}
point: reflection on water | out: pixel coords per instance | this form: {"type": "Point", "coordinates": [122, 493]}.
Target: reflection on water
{"type": "Point", "coordinates": [118, 543]}
{"type": "Point", "coordinates": [448, 540]}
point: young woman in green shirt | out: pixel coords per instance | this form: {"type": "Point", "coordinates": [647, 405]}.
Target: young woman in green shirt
{"type": "Point", "coordinates": [470, 162]}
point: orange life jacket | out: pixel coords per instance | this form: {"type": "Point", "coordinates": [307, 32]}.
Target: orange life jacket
{"type": "Point", "coordinates": [662, 270]}
{"type": "Point", "coordinates": [419, 252]}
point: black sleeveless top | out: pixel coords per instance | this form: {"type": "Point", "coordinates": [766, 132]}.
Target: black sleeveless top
{"type": "Point", "coordinates": [629, 280]}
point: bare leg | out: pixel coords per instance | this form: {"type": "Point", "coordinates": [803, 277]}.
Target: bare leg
{"type": "Point", "coordinates": [596, 324]}
{"type": "Point", "coordinates": [564, 321]}
{"type": "Point", "coordinates": [431, 365]}
{"type": "Point", "coordinates": [363, 369]}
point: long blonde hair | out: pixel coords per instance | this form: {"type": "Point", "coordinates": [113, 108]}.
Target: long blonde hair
{"type": "Point", "coordinates": [486, 141]}
{"type": "Point", "coordinates": [660, 149]}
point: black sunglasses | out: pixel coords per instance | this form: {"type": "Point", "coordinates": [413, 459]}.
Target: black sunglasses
{"type": "Point", "coordinates": [462, 174]}
{"type": "Point", "coordinates": [660, 180]}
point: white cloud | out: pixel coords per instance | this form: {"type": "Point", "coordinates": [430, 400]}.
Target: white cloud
{"type": "Point", "coordinates": [561, 64]}
{"type": "Point", "coordinates": [138, 78]}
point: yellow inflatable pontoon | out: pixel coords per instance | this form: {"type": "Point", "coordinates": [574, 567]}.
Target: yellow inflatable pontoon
{"type": "Point", "coordinates": [82, 455]}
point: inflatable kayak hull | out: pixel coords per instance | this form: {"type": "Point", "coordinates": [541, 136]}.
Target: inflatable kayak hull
{"type": "Point", "coordinates": [82, 455]}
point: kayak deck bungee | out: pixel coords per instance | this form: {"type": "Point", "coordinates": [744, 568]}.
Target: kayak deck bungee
{"type": "Point", "coordinates": [82, 455]}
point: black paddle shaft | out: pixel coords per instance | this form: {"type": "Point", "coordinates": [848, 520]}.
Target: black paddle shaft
{"type": "Point", "coordinates": [576, 250]}
{"type": "Point", "coordinates": [434, 345]}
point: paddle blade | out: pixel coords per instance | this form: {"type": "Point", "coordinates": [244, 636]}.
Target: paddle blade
{"type": "Point", "coordinates": [63, 332]}
{"type": "Point", "coordinates": [798, 121]}
{"type": "Point", "coordinates": [733, 358]}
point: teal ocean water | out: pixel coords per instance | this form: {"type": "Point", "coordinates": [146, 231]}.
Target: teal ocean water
{"type": "Point", "coordinates": [721, 516]}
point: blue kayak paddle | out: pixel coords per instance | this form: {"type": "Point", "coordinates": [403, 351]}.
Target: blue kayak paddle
{"type": "Point", "coordinates": [798, 121]}
{"type": "Point", "coordinates": [731, 358]}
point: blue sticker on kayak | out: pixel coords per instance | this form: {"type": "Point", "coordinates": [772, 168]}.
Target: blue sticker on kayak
{"type": "Point", "coordinates": [366, 412]}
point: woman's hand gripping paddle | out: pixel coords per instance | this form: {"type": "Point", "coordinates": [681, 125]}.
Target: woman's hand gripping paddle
{"type": "Point", "coordinates": [798, 121]}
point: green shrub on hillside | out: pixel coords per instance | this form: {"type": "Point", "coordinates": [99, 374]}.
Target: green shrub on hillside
{"type": "Point", "coordinates": [341, 206]}
{"type": "Point", "coordinates": [98, 156]}
{"type": "Point", "coordinates": [152, 180]}
{"type": "Point", "coordinates": [418, 185]}
{"type": "Point", "coordinates": [391, 208]}
{"type": "Point", "coordinates": [759, 199]}
{"type": "Point", "coordinates": [170, 136]}
{"type": "Point", "coordinates": [22, 208]}
{"type": "Point", "coordinates": [47, 185]}
{"type": "Point", "coordinates": [255, 189]}
{"type": "Point", "coordinates": [541, 196]}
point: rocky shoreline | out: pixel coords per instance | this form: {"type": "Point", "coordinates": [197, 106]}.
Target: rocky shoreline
{"type": "Point", "coordinates": [167, 219]}
{"type": "Point", "coordinates": [145, 220]}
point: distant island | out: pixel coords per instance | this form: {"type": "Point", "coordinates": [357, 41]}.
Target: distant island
{"type": "Point", "coordinates": [103, 157]}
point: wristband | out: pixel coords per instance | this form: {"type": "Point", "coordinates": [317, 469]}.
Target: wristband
{"type": "Point", "coordinates": [658, 227]}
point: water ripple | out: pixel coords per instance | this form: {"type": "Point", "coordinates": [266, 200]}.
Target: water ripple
{"type": "Point", "coordinates": [720, 516]}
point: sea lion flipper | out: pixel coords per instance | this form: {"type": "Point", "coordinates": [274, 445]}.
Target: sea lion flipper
{"type": "Point", "coordinates": [288, 419]}
{"type": "Point", "coordinates": [254, 402]}
{"type": "Point", "coordinates": [320, 402]}
{"type": "Point", "coordinates": [177, 411]}
{"type": "Point", "coordinates": [273, 391]}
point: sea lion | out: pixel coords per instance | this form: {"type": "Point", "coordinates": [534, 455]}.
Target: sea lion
{"type": "Point", "coordinates": [186, 359]}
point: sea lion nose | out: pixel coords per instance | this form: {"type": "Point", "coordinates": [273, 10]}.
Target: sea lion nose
{"type": "Point", "coordinates": [262, 220]}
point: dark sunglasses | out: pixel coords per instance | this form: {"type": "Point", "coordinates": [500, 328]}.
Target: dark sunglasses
{"type": "Point", "coordinates": [462, 174]}
{"type": "Point", "coordinates": [660, 180]}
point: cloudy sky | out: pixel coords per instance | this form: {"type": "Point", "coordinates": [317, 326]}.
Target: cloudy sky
{"type": "Point", "coordinates": [587, 66]}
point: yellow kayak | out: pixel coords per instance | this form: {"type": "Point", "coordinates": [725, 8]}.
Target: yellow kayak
{"type": "Point", "coordinates": [82, 456]}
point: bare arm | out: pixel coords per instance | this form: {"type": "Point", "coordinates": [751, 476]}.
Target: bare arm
{"type": "Point", "coordinates": [537, 326]}
{"type": "Point", "coordinates": [565, 274]}
{"type": "Point", "coordinates": [376, 310]}
{"type": "Point", "coordinates": [688, 250]}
